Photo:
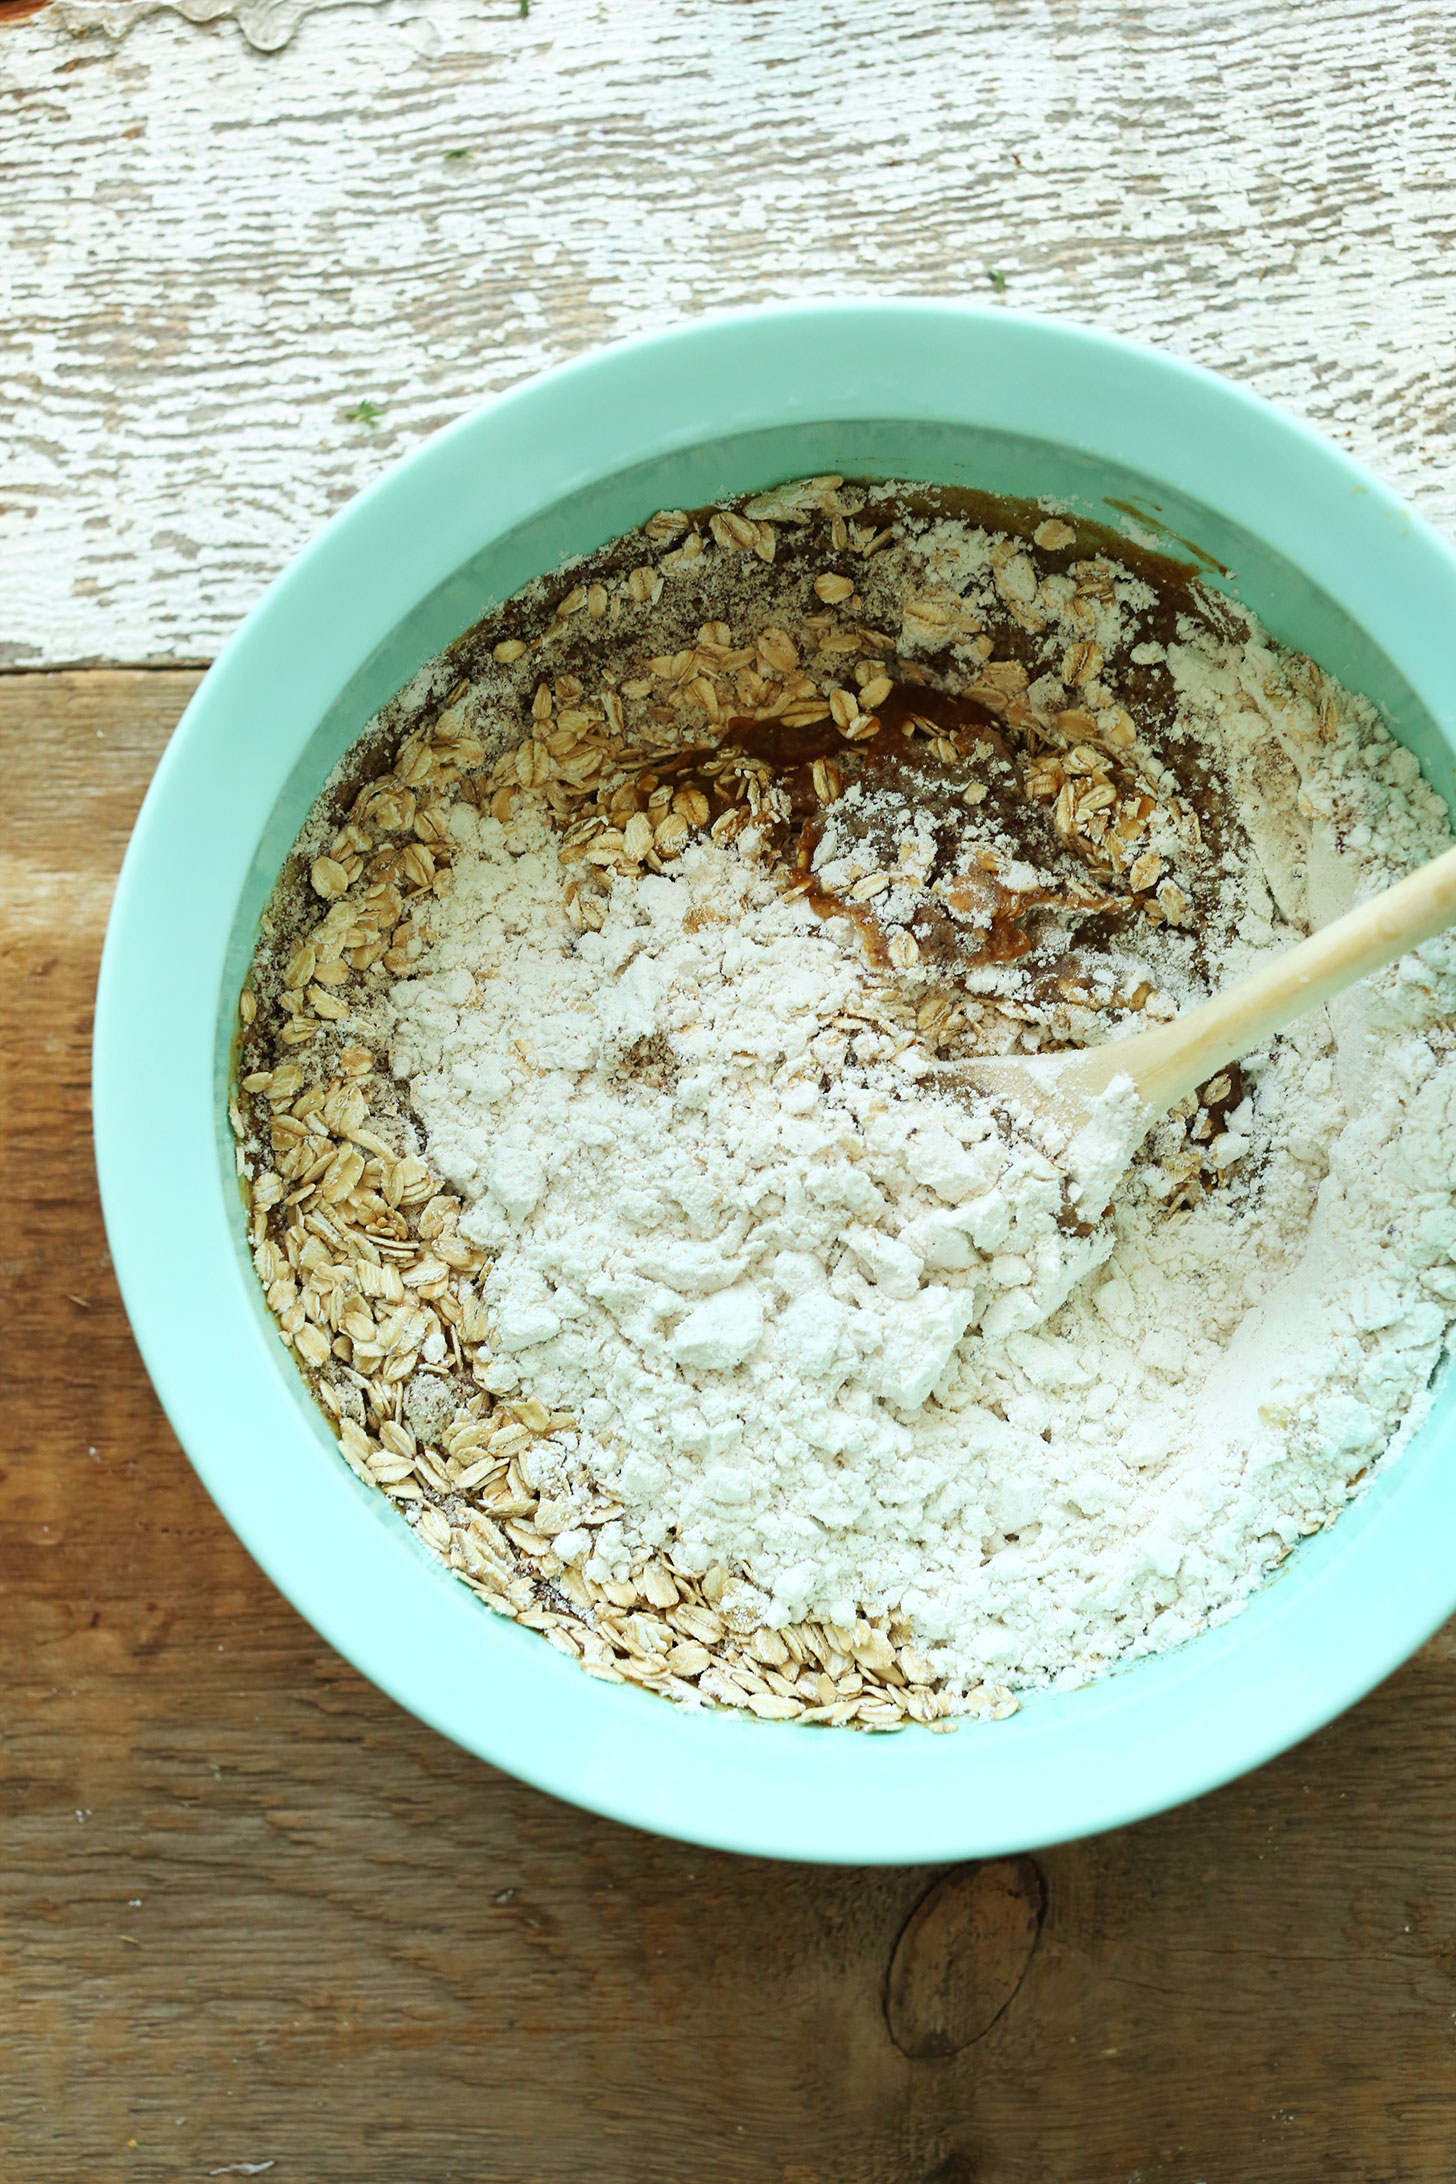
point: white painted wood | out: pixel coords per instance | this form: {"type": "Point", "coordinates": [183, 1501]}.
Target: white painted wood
{"type": "Point", "coordinates": [211, 253]}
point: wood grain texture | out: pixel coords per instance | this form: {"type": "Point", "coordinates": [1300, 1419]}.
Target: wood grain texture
{"type": "Point", "coordinates": [215, 254]}
{"type": "Point", "coordinates": [250, 1911]}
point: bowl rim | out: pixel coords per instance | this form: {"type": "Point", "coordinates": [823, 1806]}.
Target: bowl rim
{"type": "Point", "coordinates": [1186, 1721]}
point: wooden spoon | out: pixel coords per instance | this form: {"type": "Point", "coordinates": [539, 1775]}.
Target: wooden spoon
{"type": "Point", "coordinates": [1174, 1058]}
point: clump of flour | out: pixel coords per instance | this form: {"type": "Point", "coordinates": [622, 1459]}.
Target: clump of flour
{"type": "Point", "coordinates": [747, 1287]}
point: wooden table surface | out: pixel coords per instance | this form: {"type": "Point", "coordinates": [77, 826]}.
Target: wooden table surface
{"type": "Point", "coordinates": [253, 1913]}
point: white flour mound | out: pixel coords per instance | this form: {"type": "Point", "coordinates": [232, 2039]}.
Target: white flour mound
{"type": "Point", "coordinates": [837, 1339]}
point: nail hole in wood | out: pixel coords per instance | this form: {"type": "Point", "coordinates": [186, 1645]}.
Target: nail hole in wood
{"type": "Point", "coordinates": [961, 1956]}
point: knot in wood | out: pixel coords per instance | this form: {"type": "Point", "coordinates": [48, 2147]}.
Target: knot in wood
{"type": "Point", "coordinates": [962, 1954]}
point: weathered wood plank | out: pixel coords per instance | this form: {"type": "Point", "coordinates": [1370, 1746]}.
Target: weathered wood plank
{"type": "Point", "coordinates": [215, 254]}
{"type": "Point", "coordinates": [250, 1911]}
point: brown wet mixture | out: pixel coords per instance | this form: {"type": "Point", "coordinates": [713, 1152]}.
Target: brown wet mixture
{"type": "Point", "coordinates": [979, 806]}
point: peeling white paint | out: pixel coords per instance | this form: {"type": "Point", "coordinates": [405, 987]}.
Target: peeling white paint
{"type": "Point", "coordinates": [266, 24]}
{"type": "Point", "coordinates": [213, 253]}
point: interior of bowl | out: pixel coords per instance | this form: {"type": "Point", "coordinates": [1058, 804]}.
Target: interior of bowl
{"type": "Point", "coordinates": [1328, 559]}
{"type": "Point", "coordinates": [1296, 610]}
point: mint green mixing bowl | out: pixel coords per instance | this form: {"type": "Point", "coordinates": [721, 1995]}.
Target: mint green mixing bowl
{"type": "Point", "coordinates": [1319, 548]}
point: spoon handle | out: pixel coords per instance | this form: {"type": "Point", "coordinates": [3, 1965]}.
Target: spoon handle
{"type": "Point", "coordinates": [1172, 1060]}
